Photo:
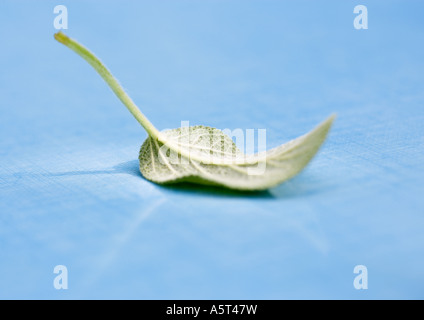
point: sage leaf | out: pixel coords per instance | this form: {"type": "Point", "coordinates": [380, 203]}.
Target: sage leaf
{"type": "Point", "coordinates": [205, 155]}
{"type": "Point", "coordinates": [221, 163]}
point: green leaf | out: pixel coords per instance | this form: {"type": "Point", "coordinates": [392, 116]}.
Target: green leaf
{"type": "Point", "coordinates": [206, 155]}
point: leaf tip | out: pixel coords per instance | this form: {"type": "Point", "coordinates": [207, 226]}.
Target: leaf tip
{"type": "Point", "coordinates": [327, 123]}
{"type": "Point", "coordinates": [332, 117]}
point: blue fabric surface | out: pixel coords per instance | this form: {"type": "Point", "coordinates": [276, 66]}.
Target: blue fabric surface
{"type": "Point", "coordinates": [71, 193]}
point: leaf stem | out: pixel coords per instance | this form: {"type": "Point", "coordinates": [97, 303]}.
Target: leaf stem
{"type": "Point", "coordinates": [113, 83]}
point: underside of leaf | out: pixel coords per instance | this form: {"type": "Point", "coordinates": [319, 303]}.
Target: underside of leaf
{"type": "Point", "coordinates": [207, 156]}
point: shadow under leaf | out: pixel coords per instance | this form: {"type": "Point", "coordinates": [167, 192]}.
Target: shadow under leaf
{"type": "Point", "coordinates": [186, 187]}
{"type": "Point", "coordinates": [302, 185]}
{"type": "Point", "coordinates": [128, 167]}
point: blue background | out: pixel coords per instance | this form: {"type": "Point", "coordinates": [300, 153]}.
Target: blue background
{"type": "Point", "coordinates": [71, 193]}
